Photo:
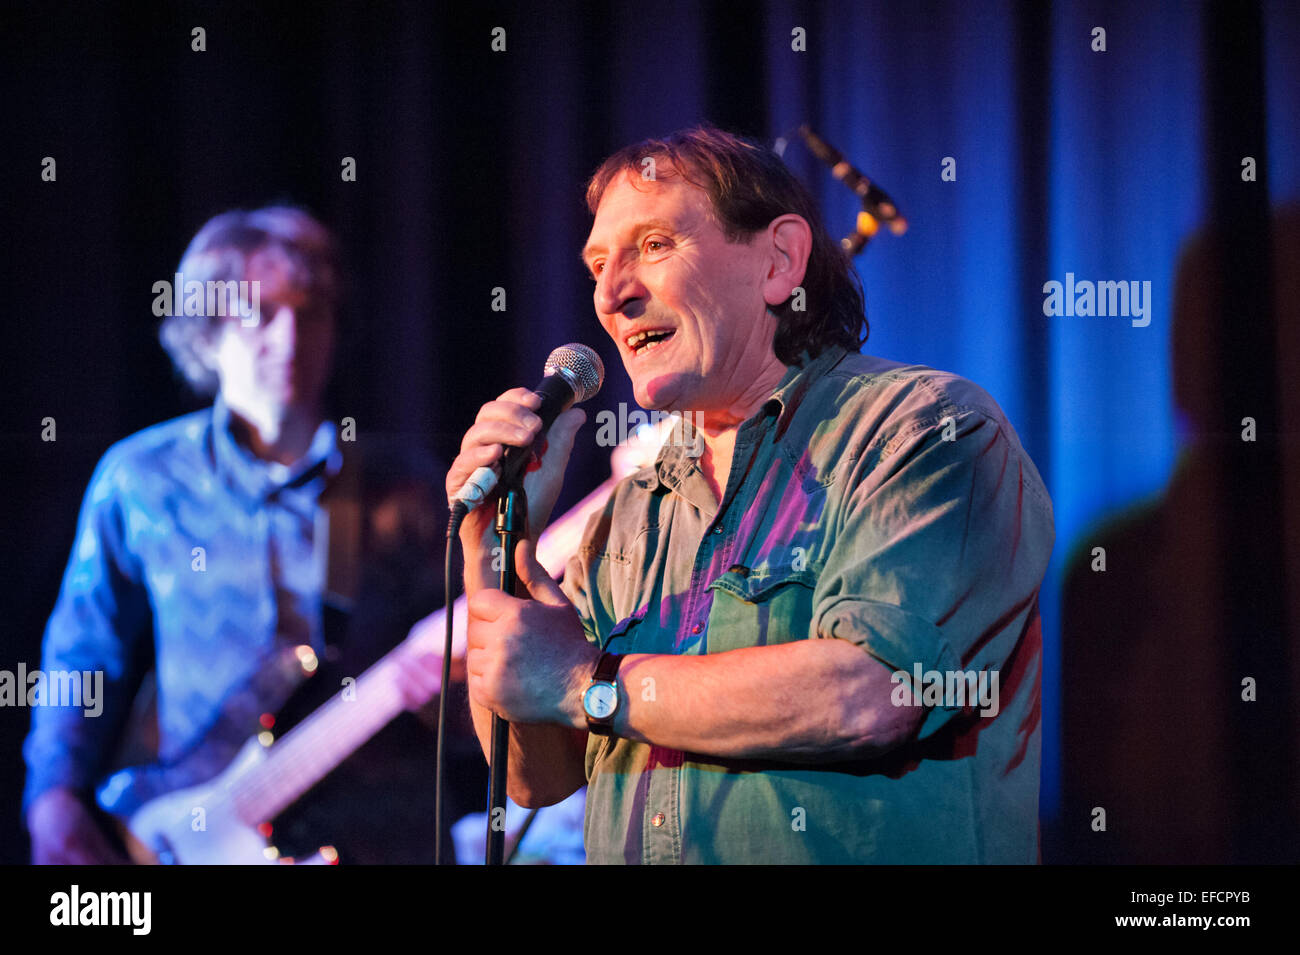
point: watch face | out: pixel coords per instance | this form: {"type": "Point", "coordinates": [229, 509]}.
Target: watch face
{"type": "Point", "coordinates": [600, 700]}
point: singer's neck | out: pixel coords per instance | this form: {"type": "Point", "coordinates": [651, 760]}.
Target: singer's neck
{"type": "Point", "coordinates": [718, 427]}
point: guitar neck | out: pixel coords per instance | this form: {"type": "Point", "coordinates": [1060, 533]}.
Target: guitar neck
{"type": "Point", "coordinates": [302, 757]}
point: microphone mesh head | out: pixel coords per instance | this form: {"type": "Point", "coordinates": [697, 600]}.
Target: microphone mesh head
{"type": "Point", "coordinates": [580, 366]}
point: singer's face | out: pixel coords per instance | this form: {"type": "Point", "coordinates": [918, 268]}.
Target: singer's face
{"type": "Point", "coordinates": [685, 306]}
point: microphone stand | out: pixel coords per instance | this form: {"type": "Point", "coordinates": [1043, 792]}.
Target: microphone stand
{"type": "Point", "coordinates": [512, 525]}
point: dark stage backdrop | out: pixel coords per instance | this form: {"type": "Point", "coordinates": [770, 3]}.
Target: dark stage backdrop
{"type": "Point", "coordinates": [1169, 157]}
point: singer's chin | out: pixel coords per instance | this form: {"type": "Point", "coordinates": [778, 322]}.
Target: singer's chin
{"type": "Point", "coordinates": [665, 391]}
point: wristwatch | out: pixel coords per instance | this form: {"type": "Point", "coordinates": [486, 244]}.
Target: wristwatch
{"type": "Point", "coordinates": [600, 699]}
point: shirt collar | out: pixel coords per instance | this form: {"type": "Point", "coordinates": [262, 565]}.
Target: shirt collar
{"type": "Point", "coordinates": [792, 388]}
{"type": "Point", "coordinates": [257, 479]}
{"type": "Point", "coordinates": [678, 456]}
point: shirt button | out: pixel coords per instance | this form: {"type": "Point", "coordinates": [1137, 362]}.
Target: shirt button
{"type": "Point", "coordinates": [718, 529]}
{"type": "Point", "coordinates": [657, 819]}
{"type": "Point", "coordinates": [696, 629]}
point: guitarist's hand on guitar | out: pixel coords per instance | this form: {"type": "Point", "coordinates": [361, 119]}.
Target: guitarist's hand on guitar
{"type": "Point", "coordinates": [420, 677]}
{"type": "Point", "coordinates": [510, 421]}
{"type": "Point", "coordinates": [64, 832]}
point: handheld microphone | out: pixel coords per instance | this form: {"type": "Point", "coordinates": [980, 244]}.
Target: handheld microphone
{"type": "Point", "coordinates": [573, 374]}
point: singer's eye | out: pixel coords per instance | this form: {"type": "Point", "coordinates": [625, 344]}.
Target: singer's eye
{"type": "Point", "coordinates": [655, 245]}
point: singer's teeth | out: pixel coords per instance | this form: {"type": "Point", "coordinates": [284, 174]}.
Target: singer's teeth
{"type": "Point", "coordinates": [634, 342]}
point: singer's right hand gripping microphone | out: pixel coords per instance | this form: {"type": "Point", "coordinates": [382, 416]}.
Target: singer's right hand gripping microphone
{"type": "Point", "coordinates": [573, 374]}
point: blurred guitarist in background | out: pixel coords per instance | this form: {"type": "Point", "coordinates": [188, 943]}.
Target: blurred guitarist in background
{"type": "Point", "coordinates": [210, 543]}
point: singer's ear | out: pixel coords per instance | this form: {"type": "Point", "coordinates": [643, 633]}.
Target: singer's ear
{"type": "Point", "coordinates": [789, 241]}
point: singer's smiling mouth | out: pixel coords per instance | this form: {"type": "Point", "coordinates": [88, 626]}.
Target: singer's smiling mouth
{"type": "Point", "coordinates": [643, 342]}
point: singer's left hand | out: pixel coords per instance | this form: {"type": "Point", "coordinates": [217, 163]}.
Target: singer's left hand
{"type": "Point", "coordinates": [529, 660]}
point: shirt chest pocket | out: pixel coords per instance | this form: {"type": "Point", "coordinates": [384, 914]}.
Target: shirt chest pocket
{"type": "Point", "coordinates": [760, 607]}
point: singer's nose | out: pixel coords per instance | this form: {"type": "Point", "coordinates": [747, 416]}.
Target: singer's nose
{"type": "Point", "coordinates": [619, 288]}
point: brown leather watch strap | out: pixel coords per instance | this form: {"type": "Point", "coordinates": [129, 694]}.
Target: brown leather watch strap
{"type": "Point", "coordinates": [607, 667]}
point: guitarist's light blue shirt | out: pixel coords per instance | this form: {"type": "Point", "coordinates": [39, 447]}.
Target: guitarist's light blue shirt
{"type": "Point", "coordinates": [193, 556]}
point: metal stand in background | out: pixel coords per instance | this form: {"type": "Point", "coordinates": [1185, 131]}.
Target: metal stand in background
{"type": "Point", "coordinates": [877, 207]}
{"type": "Point", "coordinates": [512, 525]}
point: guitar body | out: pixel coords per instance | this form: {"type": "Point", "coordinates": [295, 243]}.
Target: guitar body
{"type": "Point", "coordinates": [128, 790]}
{"type": "Point", "coordinates": [184, 811]}
{"type": "Point", "coordinates": [200, 826]}
{"type": "Point", "coordinates": [215, 803]}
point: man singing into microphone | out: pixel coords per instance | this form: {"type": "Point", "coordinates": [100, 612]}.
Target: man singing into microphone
{"type": "Point", "coordinates": [810, 636]}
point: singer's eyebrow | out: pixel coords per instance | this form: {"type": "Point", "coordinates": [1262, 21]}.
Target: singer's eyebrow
{"type": "Point", "coordinates": [639, 228]}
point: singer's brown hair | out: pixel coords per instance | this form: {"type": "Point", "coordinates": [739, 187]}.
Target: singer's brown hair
{"type": "Point", "coordinates": [749, 186]}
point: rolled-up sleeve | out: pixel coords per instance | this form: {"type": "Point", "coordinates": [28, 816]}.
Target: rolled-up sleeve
{"type": "Point", "coordinates": [101, 617]}
{"type": "Point", "coordinates": [943, 542]}
{"type": "Point", "coordinates": [582, 576]}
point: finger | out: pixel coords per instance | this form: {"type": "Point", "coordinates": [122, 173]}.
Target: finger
{"type": "Point", "coordinates": [489, 605]}
{"type": "Point", "coordinates": [475, 638]}
{"type": "Point", "coordinates": [415, 690]}
{"type": "Point", "coordinates": [423, 669]}
{"type": "Point", "coordinates": [566, 427]}
{"type": "Point", "coordinates": [467, 462]}
{"type": "Point", "coordinates": [507, 411]}
{"type": "Point", "coordinates": [541, 585]}
{"type": "Point", "coordinates": [476, 664]}
{"type": "Point", "coordinates": [518, 432]}
{"type": "Point", "coordinates": [522, 396]}
{"type": "Point", "coordinates": [559, 440]}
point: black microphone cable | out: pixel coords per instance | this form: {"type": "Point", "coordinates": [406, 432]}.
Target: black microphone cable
{"type": "Point", "coordinates": [458, 512]}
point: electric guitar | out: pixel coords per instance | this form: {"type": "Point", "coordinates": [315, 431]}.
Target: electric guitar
{"type": "Point", "coordinates": [181, 813]}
